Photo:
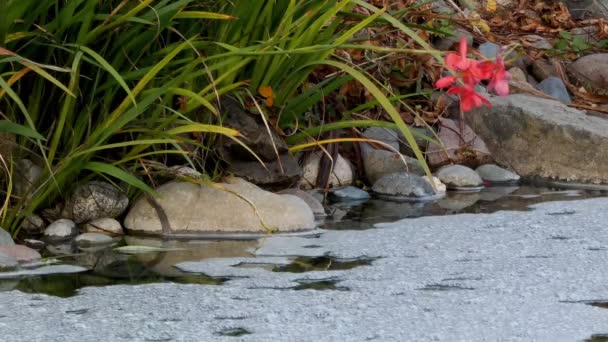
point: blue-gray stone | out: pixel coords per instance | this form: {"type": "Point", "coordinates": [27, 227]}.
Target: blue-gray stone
{"type": "Point", "coordinates": [403, 186]}
{"type": "Point", "coordinates": [5, 237]}
{"type": "Point", "coordinates": [555, 87]}
{"type": "Point", "coordinates": [349, 193]}
{"type": "Point", "coordinates": [8, 263]}
{"type": "Point", "coordinates": [489, 50]}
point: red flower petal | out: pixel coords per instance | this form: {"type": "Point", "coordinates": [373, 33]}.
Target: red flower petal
{"type": "Point", "coordinates": [445, 82]}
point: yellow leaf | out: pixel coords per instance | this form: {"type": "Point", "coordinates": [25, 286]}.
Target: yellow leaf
{"type": "Point", "coordinates": [269, 101]}
{"type": "Point", "coordinates": [265, 91]}
{"type": "Point", "coordinates": [491, 6]}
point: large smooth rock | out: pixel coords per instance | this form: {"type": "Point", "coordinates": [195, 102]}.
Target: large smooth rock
{"type": "Point", "coordinates": [315, 205]}
{"type": "Point", "coordinates": [591, 72]}
{"type": "Point", "coordinates": [62, 229]}
{"type": "Point", "coordinates": [105, 225]}
{"type": "Point", "coordinates": [5, 237]}
{"type": "Point", "coordinates": [95, 200]}
{"type": "Point", "coordinates": [542, 137]}
{"type": "Point", "coordinates": [198, 209]}
{"type": "Point", "coordinates": [342, 173]}
{"type": "Point", "coordinates": [402, 186]}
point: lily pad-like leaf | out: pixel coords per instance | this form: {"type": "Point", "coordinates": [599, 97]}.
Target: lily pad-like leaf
{"type": "Point", "coordinates": [144, 249]}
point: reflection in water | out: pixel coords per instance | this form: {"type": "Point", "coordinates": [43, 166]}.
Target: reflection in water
{"type": "Point", "coordinates": [489, 200]}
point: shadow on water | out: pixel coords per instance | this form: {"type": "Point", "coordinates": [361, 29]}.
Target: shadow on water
{"type": "Point", "coordinates": [309, 264]}
{"type": "Point", "coordinates": [234, 332]}
{"type": "Point", "coordinates": [517, 198]}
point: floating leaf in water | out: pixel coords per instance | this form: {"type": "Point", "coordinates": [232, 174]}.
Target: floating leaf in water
{"type": "Point", "coordinates": [144, 249]}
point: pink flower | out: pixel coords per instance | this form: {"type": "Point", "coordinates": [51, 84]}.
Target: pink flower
{"type": "Point", "coordinates": [500, 79]}
{"type": "Point", "coordinates": [469, 99]}
{"type": "Point", "coordinates": [459, 61]}
{"type": "Point", "coordinates": [469, 73]}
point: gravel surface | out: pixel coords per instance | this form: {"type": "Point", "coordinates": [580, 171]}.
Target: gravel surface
{"type": "Point", "coordinates": [507, 276]}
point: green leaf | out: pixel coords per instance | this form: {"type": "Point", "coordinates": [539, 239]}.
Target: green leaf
{"type": "Point", "coordinates": [104, 64]}
{"type": "Point", "coordinates": [11, 127]}
{"type": "Point", "coordinates": [202, 15]}
{"type": "Point", "coordinates": [117, 173]}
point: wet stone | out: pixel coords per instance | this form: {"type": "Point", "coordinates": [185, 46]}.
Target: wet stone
{"type": "Point", "coordinates": [403, 186]}
{"type": "Point", "coordinates": [349, 193]}
{"type": "Point", "coordinates": [35, 244]}
{"type": "Point", "coordinates": [88, 239]}
{"type": "Point", "coordinates": [20, 253]}
{"type": "Point", "coordinates": [494, 174]}
{"type": "Point", "coordinates": [62, 229]}
{"type": "Point", "coordinates": [7, 262]}
{"type": "Point", "coordinates": [556, 88]}
{"type": "Point", "coordinates": [458, 177]}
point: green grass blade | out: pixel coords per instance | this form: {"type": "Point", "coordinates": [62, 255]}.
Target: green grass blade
{"type": "Point", "coordinates": [117, 173]}
{"type": "Point", "coordinates": [11, 127]}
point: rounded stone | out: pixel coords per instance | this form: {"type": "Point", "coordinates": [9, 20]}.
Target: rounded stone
{"type": "Point", "coordinates": [489, 50]}
{"type": "Point", "coordinates": [234, 206]}
{"type": "Point", "coordinates": [459, 177]}
{"type": "Point", "coordinates": [104, 225]}
{"type": "Point", "coordinates": [8, 263]}
{"type": "Point", "coordinates": [591, 72]}
{"type": "Point", "coordinates": [5, 237]}
{"type": "Point", "coordinates": [349, 193]}
{"type": "Point", "coordinates": [315, 204]}
{"type": "Point", "coordinates": [27, 174]}
{"type": "Point", "coordinates": [89, 239]}
{"type": "Point", "coordinates": [95, 200]}
{"type": "Point", "coordinates": [20, 253]}
{"type": "Point", "coordinates": [436, 183]}
{"type": "Point", "coordinates": [62, 229]}
{"type": "Point", "coordinates": [342, 173]}
{"type": "Point", "coordinates": [555, 87]}
{"type": "Point", "coordinates": [33, 224]}
{"type": "Point", "coordinates": [403, 186]}
{"type": "Point", "coordinates": [496, 174]}
{"type": "Point", "coordinates": [35, 244]}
